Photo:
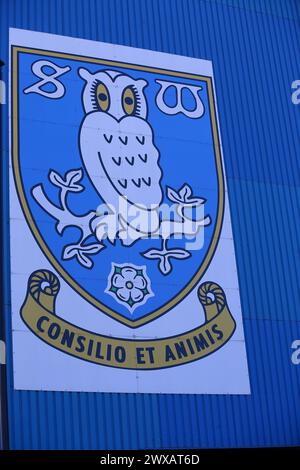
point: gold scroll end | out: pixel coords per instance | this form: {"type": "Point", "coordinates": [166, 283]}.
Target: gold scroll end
{"type": "Point", "coordinates": [212, 298]}
{"type": "Point", "coordinates": [44, 286]}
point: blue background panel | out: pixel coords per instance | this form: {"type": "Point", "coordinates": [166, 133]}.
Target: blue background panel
{"type": "Point", "coordinates": [254, 46]}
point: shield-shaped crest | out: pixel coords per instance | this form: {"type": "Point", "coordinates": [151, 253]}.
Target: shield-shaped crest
{"type": "Point", "coordinates": [118, 172]}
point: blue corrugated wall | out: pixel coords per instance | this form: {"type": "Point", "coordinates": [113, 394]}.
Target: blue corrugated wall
{"type": "Point", "coordinates": [254, 46]}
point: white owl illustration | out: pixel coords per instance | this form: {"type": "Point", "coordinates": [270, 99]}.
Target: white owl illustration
{"type": "Point", "coordinates": [116, 141]}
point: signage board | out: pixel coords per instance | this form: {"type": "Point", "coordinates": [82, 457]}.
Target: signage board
{"type": "Point", "coordinates": [123, 270]}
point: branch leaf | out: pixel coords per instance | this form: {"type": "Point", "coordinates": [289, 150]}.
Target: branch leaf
{"type": "Point", "coordinates": [178, 253]}
{"type": "Point", "coordinates": [173, 195]}
{"type": "Point", "coordinates": [185, 192]}
{"type": "Point", "coordinates": [91, 249]}
{"type": "Point", "coordinates": [152, 254]}
{"type": "Point", "coordinates": [165, 265]}
{"type": "Point", "coordinates": [72, 177]}
{"type": "Point", "coordinates": [69, 181]}
{"type": "Point", "coordinates": [164, 256]}
{"type": "Point", "coordinates": [70, 251]}
{"type": "Point", "coordinates": [82, 253]}
{"type": "Point", "coordinates": [184, 196]}
{"type": "Point", "coordinates": [56, 179]}
{"type": "Point", "coordinates": [84, 260]}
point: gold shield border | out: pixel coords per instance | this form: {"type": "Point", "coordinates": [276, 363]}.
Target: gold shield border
{"type": "Point", "coordinates": [25, 207]}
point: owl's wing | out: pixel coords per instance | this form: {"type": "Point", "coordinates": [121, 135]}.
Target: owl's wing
{"type": "Point", "coordinates": [132, 167]}
{"type": "Point", "coordinates": [129, 161]}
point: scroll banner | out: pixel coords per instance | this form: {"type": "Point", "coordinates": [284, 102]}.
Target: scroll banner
{"type": "Point", "coordinates": [38, 312]}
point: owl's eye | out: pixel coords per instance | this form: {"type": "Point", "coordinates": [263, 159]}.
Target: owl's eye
{"type": "Point", "coordinates": [103, 99]}
{"type": "Point", "coordinates": [129, 101]}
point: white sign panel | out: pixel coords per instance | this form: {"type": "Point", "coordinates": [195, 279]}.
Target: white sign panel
{"type": "Point", "coordinates": [123, 272]}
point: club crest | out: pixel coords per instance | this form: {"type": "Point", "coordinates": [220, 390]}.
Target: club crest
{"type": "Point", "coordinates": [122, 252]}
{"type": "Point", "coordinates": [129, 190]}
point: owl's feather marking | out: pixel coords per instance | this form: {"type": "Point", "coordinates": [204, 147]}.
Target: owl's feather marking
{"type": "Point", "coordinates": [148, 182]}
{"type": "Point", "coordinates": [137, 169]}
{"type": "Point", "coordinates": [108, 138]}
{"type": "Point", "coordinates": [141, 140]}
{"type": "Point", "coordinates": [144, 159]}
{"type": "Point", "coordinates": [124, 141]}
{"type": "Point", "coordinates": [137, 183]}
{"type": "Point", "coordinates": [118, 161]}
{"type": "Point", "coordinates": [130, 160]}
{"type": "Point", "coordinates": [123, 183]}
